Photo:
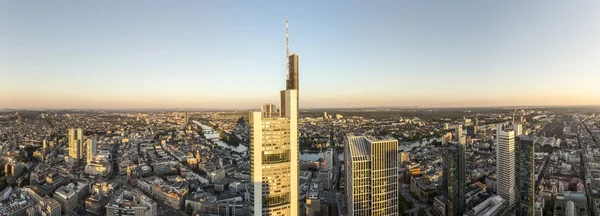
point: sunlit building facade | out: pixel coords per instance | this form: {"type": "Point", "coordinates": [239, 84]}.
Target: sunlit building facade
{"type": "Point", "coordinates": [274, 163]}
{"type": "Point", "coordinates": [371, 176]}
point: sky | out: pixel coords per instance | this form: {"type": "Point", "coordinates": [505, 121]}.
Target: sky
{"type": "Point", "coordinates": [231, 54]}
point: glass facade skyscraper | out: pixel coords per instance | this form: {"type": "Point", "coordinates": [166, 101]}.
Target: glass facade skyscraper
{"type": "Point", "coordinates": [525, 175]}
{"type": "Point", "coordinates": [454, 178]}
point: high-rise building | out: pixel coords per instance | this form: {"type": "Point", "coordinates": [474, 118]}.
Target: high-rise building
{"type": "Point", "coordinates": [505, 165]}
{"type": "Point", "coordinates": [186, 117]}
{"type": "Point", "coordinates": [75, 144]}
{"type": "Point", "coordinates": [459, 132]}
{"type": "Point", "coordinates": [274, 151]}
{"type": "Point", "coordinates": [518, 128]}
{"type": "Point", "coordinates": [91, 150]}
{"type": "Point", "coordinates": [79, 134]}
{"type": "Point", "coordinates": [371, 176]}
{"type": "Point", "coordinates": [454, 178]}
{"type": "Point", "coordinates": [274, 161]}
{"type": "Point", "coordinates": [526, 176]}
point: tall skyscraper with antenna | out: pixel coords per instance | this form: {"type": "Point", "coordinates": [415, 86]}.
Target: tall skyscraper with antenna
{"type": "Point", "coordinates": [274, 154]}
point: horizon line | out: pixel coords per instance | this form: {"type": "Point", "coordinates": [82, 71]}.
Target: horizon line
{"type": "Point", "coordinates": [309, 108]}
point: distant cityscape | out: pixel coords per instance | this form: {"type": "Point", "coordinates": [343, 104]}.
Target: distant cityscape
{"type": "Point", "coordinates": [286, 161]}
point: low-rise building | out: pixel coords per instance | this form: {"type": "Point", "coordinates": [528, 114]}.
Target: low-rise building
{"type": "Point", "coordinates": [131, 203]}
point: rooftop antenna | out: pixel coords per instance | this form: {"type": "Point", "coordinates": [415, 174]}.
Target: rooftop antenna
{"type": "Point", "coordinates": [287, 49]}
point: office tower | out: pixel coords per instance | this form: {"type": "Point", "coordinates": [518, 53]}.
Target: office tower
{"type": "Point", "coordinates": [274, 152]}
{"type": "Point", "coordinates": [454, 178]}
{"type": "Point", "coordinates": [459, 132]}
{"type": "Point", "coordinates": [274, 160]}
{"type": "Point", "coordinates": [91, 150]}
{"type": "Point", "coordinates": [526, 176]}
{"type": "Point", "coordinates": [404, 157]}
{"type": "Point", "coordinates": [505, 165]}
{"type": "Point", "coordinates": [518, 128]}
{"type": "Point", "coordinates": [268, 110]}
{"type": "Point", "coordinates": [79, 134]}
{"type": "Point", "coordinates": [371, 176]}
{"type": "Point", "coordinates": [186, 117]}
{"type": "Point", "coordinates": [74, 151]}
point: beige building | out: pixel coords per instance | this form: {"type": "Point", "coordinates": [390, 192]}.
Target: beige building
{"type": "Point", "coordinates": [75, 143]}
{"type": "Point", "coordinates": [274, 162]}
{"type": "Point", "coordinates": [371, 176]}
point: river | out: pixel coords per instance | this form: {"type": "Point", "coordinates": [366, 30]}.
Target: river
{"type": "Point", "coordinates": [210, 133]}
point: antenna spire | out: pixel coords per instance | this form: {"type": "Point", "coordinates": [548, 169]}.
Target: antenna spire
{"type": "Point", "coordinates": [287, 49]}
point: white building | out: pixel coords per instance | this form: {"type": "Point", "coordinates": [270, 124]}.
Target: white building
{"type": "Point", "coordinates": [505, 164]}
{"type": "Point", "coordinates": [371, 176]}
{"type": "Point", "coordinates": [328, 164]}
{"type": "Point", "coordinates": [131, 203]}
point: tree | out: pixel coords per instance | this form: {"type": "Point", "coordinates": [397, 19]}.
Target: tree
{"type": "Point", "coordinates": [189, 209]}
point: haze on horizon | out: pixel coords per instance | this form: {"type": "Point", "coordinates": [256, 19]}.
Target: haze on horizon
{"type": "Point", "coordinates": [154, 54]}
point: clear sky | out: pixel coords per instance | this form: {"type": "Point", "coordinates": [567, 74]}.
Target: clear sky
{"type": "Point", "coordinates": [231, 54]}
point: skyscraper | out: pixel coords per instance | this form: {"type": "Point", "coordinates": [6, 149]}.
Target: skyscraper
{"type": "Point", "coordinates": [274, 153]}
{"type": "Point", "coordinates": [74, 143]}
{"type": "Point", "coordinates": [459, 132]}
{"type": "Point", "coordinates": [186, 117]}
{"type": "Point", "coordinates": [505, 164]}
{"type": "Point", "coordinates": [518, 128]}
{"type": "Point", "coordinates": [91, 150]}
{"type": "Point", "coordinates": [454, 178]}
{"type": "Point", "coordinates": [526, 176]}
{"type": "Point", "coordinates": [371, 176]}
{"type": "Point", "coordinates": [274, 162]}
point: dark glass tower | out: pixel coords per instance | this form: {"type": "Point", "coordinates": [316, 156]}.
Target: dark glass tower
{"type": "Point", "coordinates": [454, 178]}
{"type": "Point", "coordinates": [291, 82]}
{"type": "Point", "coordinates": [525, 171]}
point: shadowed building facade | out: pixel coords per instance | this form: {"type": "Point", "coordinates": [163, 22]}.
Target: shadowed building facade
{"type": "Point", "coordinates": [454, 178]}
{"type": "Point", "coordinates": [525, 176]}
